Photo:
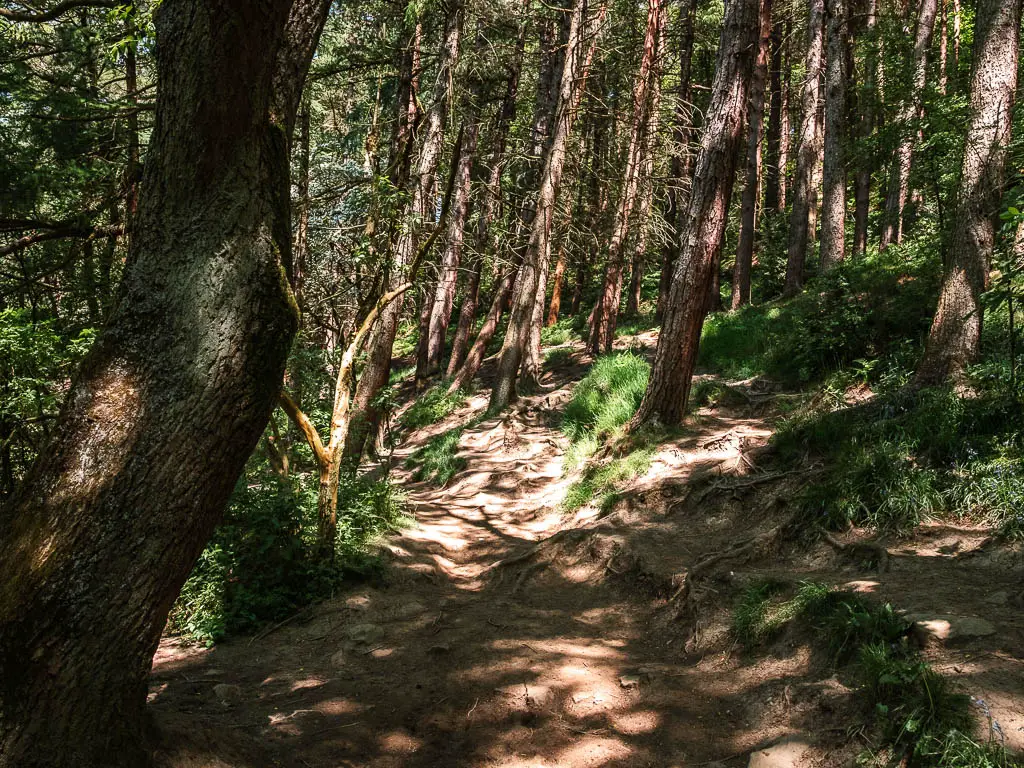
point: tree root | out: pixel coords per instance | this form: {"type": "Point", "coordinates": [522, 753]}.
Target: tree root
{"type": "Point", "coordinates": [875, 550]}
{"type": "Point", "coordinates": [743, 548]}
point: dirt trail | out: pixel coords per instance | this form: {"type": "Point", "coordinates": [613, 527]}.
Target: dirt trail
{"type": "Point", "coordinates": [574, 654]}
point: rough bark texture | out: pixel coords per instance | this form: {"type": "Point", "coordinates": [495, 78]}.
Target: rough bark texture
{"type": "Point", "coordinates": [808, 154]}
{"type": "Point", "coordinates": [605, 313]}
{"type": "Point", "coordinates": [475, 357]}
{"type": "Point", "coordinates": [910, 111]}
{"type": "Point", "coordinates": [748, 207]}
{"type": "Point", "coordinates": [833, 198]}
{"type": "Point", "coordinates": [377, 368]}
{"type": "Point", "coordinates": [774, 165]}
{"type": "Point", "coordinates": [582, 41]}
{"type": "Point", "coordinates": [955, 336]}
{"type": "Point", "coordinates": [674, 360]}
{"type": "Point", "coordinates": [556, 288]}
{"type": "Point", "coordinates": [172, 398]}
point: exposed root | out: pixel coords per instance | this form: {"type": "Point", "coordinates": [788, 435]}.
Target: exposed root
{"type": "Point", "coordinates": [874, 551]}
{"type": "Point", "coordinates": [741, 549]}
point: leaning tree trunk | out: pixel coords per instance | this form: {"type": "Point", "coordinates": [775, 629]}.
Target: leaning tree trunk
{"type": "Point", "coordinates": [910, 111]}
{"type": "Point", "coordinates": [602, 330]}
{"type": "Point", "coordinates": [808, 153]}
{"type": "Point", "coordinates": [955, 336]}
{"type": "Point", "coordinates": [748, 207]}
{"type": "Point", "coordinates": [833, 203]}
{"type": "Point", "coordinates": [377, 369]}
{"type": "Point", "coordinates": [170, 401]}
{"type": "Point", "coordinates": [674, 361]}
{"type": "Point", "coordinates": [582, 42]}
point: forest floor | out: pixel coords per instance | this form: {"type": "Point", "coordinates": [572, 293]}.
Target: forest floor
{"type": "Point", "coordinates": [505, 632]}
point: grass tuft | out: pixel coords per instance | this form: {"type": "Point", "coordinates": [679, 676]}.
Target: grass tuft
{"type": "Point", "coordinates": [432, 406]}
{"type": "Point", "coordinates": [437, 461]}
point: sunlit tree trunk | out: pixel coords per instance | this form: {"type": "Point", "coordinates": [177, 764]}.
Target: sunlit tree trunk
{"type": "Point", "coordinates": [910, 111]}
{"type": "Point", "coordinates": [674, 361]}
{"type": "Point", "coordinates": [955, 336]}
{"type": "Point", "coordinates": [170, 401]}
{"type": "Point", "coordinates": [556, 287]}
{"type": "Point", "coordinates": [808, 153]}
{"type": "Point", "coordinates": [833, 204]}
{"type": "Point", "coordinates": [748, 207]}
{"type": "Point", "coordinates": [583, 33]}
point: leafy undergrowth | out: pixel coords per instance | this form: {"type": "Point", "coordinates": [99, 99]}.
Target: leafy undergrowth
{"type": "Point", "coordinates": [601, 405]}
{"type": "Point", "coordinates": [921, 719]}
{"type": "Point", "coordinates": [871, 309]}
{"type": "Point", "coordinates": [432, 406]}
{"type": "Point", "coordinates": [262, 562]}
{"type": "Point", "coordinates": [908, 457]}
{"type": "Point", "coordinates": [437, 461]}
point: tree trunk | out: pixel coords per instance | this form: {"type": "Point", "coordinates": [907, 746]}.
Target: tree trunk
{"type": "Point", "coordinates": [943, 46]}
{"type": "Point", "coordinates": [467, 314]}
{"type": "Point", "coordinates": [674, 360]}
{"type": "Point", "coordinates": [583, 34]}
{"type": "Point", "coordinates": [475, 357]}
{"type": "Point", "coordinates": [833, 204]}
{"type": "Point", "coordinates": [955, 336]}
{"type": "Point", "coordinates": [170, 401]}
{"type": "Point", "coordinates": [869, 101]}
{"type": "Point", "coordinates": [774, 166]}
{"type": "Point", "coordinates": [748, 208]}
{"type": "Point", "coordinates": [605, 314]}
{"type": "Point", "coordinates": [377, 369]}
{"type": "Point", "coordinates": [910, 112]}
{"type": "Point", "coordinates": [808, 152]}
{"type": "Point", "coordinates": [556, 288]}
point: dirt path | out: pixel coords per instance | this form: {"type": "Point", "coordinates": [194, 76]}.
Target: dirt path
{"type": "Point", "coordinates": [572, 656]}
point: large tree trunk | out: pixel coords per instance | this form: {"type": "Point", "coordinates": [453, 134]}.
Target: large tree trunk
{"type": "Point", "coordinates": [582, 41]}
{"type": "Point", "coordinates": [833, 203]}
{"type": "Point", "coordinates": [674, 360]}
{"type": "Point", "coordinates": [377, 369]}
{"type": "Point", "coordinates": [475, 357]}
{"type": "Point", "coordinates": [955, 336]}
{"type": "Point", "coordinates": [809, 149]}
{"type": "Point", "coordinates": [681, 161]}
{"type": "Point", "coordinates": [748, 207]}
{"type": "Point", "coordinates": [910, 111]}
{"type": "Point", "coordinates": [556, 287]}
{"type": "Point", "coordinates": [869, 101]}
{"type": "Point", "coordinates": [170, 401]}
{"type": "Point", "coordinates": [605, 313]}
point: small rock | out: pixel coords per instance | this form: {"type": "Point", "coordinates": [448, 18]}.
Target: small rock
{"type": "Point", "coordinates": [629, 681]}
{"type": "Point", "coordinates": [228, 695]}
{"type": "Point", "coordinates": [930, 628]}
{"type": "Point", "coordinates": [409, 610]}
{"type": "Point", "coordinates": [1002, 597]}
{"type": "Point", "coordinates": [359, 603]}
{"type": "Point", "coordinates": [787, 753]}
{"type": "Point", "coordinates": [364, 634]}
{"type": "Point", "coordinates": [439, 648]}
{"type": "Point", "coordinates": [338, 660]}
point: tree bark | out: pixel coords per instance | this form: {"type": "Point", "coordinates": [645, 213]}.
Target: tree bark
{"type": "Point", "coordinates": [906, 124]}
{"type": "Point", "coordinates": [672, 372]}
{"type": "Point", "coordinates": [808, 152]}
{"type": "Point", "coordinates": [833, 203]}
{"type": "Point", "coordinates": [748, 207]}
{"type": "Point", "coordinates": [869, 102]}
{"type": "Point", "coordinates": [583, 33]}
{"type": "Point", "coordinates": [475, 357]}
{"type": "Point", "coordinates": [774, 164]}
{"type": "Point", "coordinates": [955, 336]}
{"type": "Point", "coordinates": [170, 401]}
{"type": "Point", "coordinates": [605, 313]}
{"type": "Point", "coordinates": [556, 289]}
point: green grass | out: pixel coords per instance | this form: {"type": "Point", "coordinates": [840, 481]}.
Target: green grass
{"type": "Point", "coordinates": [432, 406]}
{"type": "Point", "coordinates": [923, 721]}
{"type": "Point", "coordinates": [599, 482]}
{"type": "Point", "coordinates": [607, 397]}
{"type": "Point", "coordinates": [558, 356]}
{"type": "Point", "coordinates": [437, 461]}
{"type": "Point", "coordinates": [559, 333]}
{"type": "Point", "coordinates": [910, 457]}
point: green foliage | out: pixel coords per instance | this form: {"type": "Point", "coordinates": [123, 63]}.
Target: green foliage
{"type": "Point", "coordinates": [631, 326]}
{"type": "Point", "coordinates": [864, 310]}
{"type": "Point", "coordinates": [607, 397]}
{"type": "Point", "coordinates": [909, 457]}
{"type": "Point", "coordinates": [432, 406]}
{"type": "Point", "coordinates": [558, 356]}
{"type": "Point", "coordinates": [560, 333]}
{"type": "Point", "coordinates": [437, 461]}
{"type": "Point", "coordinates": [262, 562]}
{"type": "Point", "coordinates": [600, 481]}
{"type": "Point", "coordinates": [923, 720]}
